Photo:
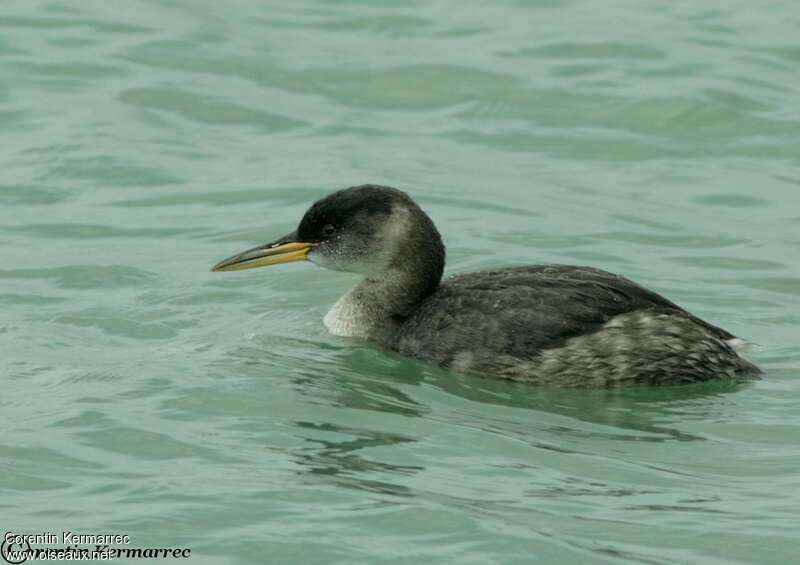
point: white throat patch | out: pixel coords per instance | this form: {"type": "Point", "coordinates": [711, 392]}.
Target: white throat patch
{"type": "Point", "coordinates": [347, 318]}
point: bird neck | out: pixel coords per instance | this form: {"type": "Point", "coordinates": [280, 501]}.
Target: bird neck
{"type": "Point", "coordinates": [379, 304]}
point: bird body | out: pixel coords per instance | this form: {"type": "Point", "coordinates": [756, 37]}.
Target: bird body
{"type": "Point", "coordinates": [566, 325]}
{"type": "Point", "coordinates": [547, 324]}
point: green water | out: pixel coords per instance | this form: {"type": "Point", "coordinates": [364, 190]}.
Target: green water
{"type": "Point", "coordinates": [142, 141]}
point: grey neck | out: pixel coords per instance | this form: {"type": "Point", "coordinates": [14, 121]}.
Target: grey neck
{"type": "Point", "coordinates": [379, 304]}
{"type": "Point", "coordinates": [395, 295]}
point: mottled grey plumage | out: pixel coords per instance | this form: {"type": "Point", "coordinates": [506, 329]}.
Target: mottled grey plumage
{"type": "Point", "coordinates": [547, 324]}
{"type": "Point", "coordinates": [565, 325]}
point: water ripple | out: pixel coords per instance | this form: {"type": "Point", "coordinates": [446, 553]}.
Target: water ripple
{"type": "Point", "coordinates": [144, 394]}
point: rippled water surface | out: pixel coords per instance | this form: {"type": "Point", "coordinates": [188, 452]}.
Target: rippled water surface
{"type": "Point", "coordinates": [142, 141]}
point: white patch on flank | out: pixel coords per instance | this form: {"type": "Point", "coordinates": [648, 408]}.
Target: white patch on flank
{"type": "Point", "coordinates": [463, 360]}
{"type": "Point", "coordinates": [644, 319]}
{"type": "Point", "coordinates": [740, 346]}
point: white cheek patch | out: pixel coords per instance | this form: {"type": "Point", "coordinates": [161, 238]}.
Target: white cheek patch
{"type": "Point", "coordinates": [396, 230]}
{"type": "Point", "coordinates": [318, 258]}
{"type": "Point", "coordinates": [327, 260]}
{"type": "Point", "coordinates": [372, 260]}
{"type": "Point", "coordinates": [388, 241]}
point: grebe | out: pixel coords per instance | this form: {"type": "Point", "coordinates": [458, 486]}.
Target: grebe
{"type": "Point", "coordinates": [547, 324]}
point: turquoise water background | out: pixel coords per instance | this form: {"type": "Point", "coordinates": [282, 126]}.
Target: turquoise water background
{"type": "Point", "coordinates": [142, 141]}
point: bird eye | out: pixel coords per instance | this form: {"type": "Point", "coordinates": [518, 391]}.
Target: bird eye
{"type": "Point", "coordinates": [328, 230]}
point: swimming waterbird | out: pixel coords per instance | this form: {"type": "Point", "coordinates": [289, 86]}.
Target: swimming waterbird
{"type": "Point", "coordinates": [548, 324]}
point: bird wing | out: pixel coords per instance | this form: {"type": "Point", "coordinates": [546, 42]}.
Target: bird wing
{"type": "Point", "coordinates": [520, 311]}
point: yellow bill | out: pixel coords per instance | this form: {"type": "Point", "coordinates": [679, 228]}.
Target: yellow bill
{"type": "Point", "coordinates": [266, 255]}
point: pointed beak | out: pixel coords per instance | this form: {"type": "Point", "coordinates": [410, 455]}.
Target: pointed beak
{"type": "Point", "coordinates": [283, 250]}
